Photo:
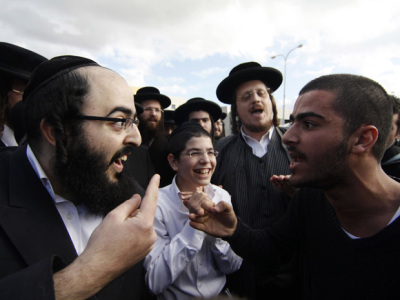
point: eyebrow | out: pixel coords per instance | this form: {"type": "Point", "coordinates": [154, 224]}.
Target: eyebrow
{"type": "Point", "coordinates": [120, 109]}
{"type": "Point", "coordinates": [301, 116]}
{"type": "Point", "coordinates": [198, 149]}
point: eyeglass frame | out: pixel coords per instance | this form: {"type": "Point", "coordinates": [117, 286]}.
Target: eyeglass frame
{"type": "Point", "coordinates": [17, 91]}
{"type": "Point", "coordinates": [247, 95]}
{"type": "Point", "coordinates": [190, 153]}
{"type": "Point", "coordinates": [133, 121]}
{"type": "Point", "coordinates": [155, 109]}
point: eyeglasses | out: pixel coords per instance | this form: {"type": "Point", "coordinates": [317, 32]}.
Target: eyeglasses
{"type": "Point", "coordinates": [198, 154]}
{"type": "Point", "coordinates": [120, 123]}
{"type": "Point", "coordinates": [18, 92]}
{"type": "Point", "coordinates": [260, 93]}
{"type": "Point", "coordinates": [151, 109]}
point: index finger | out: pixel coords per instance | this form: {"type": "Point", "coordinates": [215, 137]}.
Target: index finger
{"type": "Point", "coordinates": [149, 203]}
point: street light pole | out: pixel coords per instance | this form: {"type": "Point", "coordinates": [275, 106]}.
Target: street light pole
{"type": "Point", "coordinates": [284, 78]}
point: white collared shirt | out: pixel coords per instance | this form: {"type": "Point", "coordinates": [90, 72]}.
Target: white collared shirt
{"type": "Point", "coordinates": [260, 148]}
{"type": "Point", "coordinates": [8, 137]}
{"type": "Point", "coordinates": [186, 262]}
{"type": "Point", "coordinates": [79, 223]}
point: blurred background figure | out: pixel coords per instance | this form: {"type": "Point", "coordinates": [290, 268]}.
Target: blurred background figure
{"type": "Point", "coordinates": [16, 66]}
{"type": "Point", "coordinates": [391, 159]}
{"type": "Point", "coordinates": [169, 122]}
{"type": "Point", "coordinates": [219, 128]}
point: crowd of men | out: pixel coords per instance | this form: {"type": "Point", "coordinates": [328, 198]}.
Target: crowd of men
{"type": "Point", "coordinates": [82, 159]}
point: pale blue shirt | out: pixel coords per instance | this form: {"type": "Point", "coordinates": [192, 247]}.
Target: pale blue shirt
{"type": "Point", "coordinates": [185, 262]}
{"type": "Point", "coordinates": [260, 148]}
{"type": "Point", "coordinates": [78, 221]}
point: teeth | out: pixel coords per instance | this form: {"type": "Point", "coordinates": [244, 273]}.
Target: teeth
{"type": "Point", "coordinates": [124, 158]}
{"type": "Point", "coordinates": [202, 171]}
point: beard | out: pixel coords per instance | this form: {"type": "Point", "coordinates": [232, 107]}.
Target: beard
{"type": "Point", "coordinates": [83, 173]}
{"type": "Point", "coordinates": [327, 173]}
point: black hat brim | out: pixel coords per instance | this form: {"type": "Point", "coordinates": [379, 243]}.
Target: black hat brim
{"type": "Point", "coordinates": [183, 111]}
{"type": "Point", "coordinates": [271, 77]}
{"type": "Point", "coordinates": [164, 100]}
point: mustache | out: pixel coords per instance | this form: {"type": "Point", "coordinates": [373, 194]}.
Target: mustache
{"type": "Point", "coordinates": [124, 151]}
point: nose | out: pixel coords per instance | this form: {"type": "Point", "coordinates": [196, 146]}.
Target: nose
{"type": "Point", "coordinates": [290, 136]}
{"type": "Point", "coordinates": [133, 136]}
{"type": "Point", "coordinates": [204, 158]}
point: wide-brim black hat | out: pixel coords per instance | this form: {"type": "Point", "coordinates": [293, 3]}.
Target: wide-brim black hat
{"type": "Point", "coordinates": [169, 117]}
{"type": "Point", "coordinates": [152, 93]}
{"type": "Point", "coordinates": [271, 77]}
{"type": "Point", "coordinates": [18, 62]}
{"type": "Point", "coordinates": [196, 104]}
{"type": "Point", "coordinates": [139, 108]}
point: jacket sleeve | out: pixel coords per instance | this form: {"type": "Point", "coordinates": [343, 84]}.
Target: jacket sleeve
{"type": "Point", "coordinates": [33, 282]}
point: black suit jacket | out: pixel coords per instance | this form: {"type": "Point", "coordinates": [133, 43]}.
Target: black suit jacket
{"type": "Point", "coordinates": [34, 243]}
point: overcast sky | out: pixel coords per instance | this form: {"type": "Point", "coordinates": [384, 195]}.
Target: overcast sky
{"type": "Point", "coordinates": [186, 47]}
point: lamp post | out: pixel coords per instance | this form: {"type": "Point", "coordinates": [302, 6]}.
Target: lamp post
{"type": "Point", "coordinates": [284, 77]}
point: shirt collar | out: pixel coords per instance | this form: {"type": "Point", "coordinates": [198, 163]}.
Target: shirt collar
{"type": "Point", "coordinates": [39, 171]}
{"type": "Point", "coordinates": [266, 137]}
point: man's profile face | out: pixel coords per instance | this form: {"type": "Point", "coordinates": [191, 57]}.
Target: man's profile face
{"type": "Point", "coordinates": [151, 116]}
{"type": "Point", "coordinates": [94, 172]}
{"type": "Point", "coordinates": [316, 142]}
{"type": "Point", "coordinates": [254, 106]}
{"type": "Point", "coordinates": [203, 118]}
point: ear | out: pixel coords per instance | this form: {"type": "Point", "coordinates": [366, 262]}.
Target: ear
{"type": "Point", "coordinates": [364, 139]}
{"type": "Point", "coordinates": [48, 132]}
{"type": "Point", "coordinates": [173, 162]}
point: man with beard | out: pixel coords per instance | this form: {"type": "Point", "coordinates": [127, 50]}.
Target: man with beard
{"type": "Point", "coordinates": [245, 163]}
{"type": "Point", "coordinates": [151, 129]}
{"type": "Point", "coordinates": [345, 225]}
{"type": "Point", "coordinates": [70, 222]}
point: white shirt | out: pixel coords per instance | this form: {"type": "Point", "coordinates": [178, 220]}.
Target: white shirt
{"type": "Point", "coordinates": [79, 223]}
{"type": "Point", "coordinates": [260, 148]}
{"type": "Point", "coordinates": [8, 137]}
{"type": "Point", "coordinates": [186, 262]}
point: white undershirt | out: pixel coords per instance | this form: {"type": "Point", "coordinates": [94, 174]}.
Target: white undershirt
{"type": "Point", "coordinates": [396, 215]}
{"type": "Point", "coordinates": [260, 148]}
{"type": "Point", "coordinates": [79, 223]}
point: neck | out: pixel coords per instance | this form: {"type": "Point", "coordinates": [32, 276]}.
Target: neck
{"type": "Point", "coordinates": [257, 135]}
{"type": "Point", "coordinates": [364, 205]}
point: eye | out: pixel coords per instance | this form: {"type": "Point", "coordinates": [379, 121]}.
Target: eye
{"type": "Point", "coordinates": [309, 124]}
{"type": "Point", "coordinates": [120, 124]}
{"type": "Point", "coordinates": [194, 153]}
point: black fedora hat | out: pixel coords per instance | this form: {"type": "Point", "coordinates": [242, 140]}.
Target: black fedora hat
{"type": "Point", "coordinates": [139, 108]}
{"type": "Point", "coordinates": [152, 93]}
{"type": "Point", "coordinates": [196, 104]}
{"type": "Point", "coordinates": [169, 116]}
{"type": "Point", "coordinates": [246, 72]}
{"type": "Point", "coordinates": [17, 61]}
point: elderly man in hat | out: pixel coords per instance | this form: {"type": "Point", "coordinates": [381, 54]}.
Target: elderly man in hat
{"type": "Point", "coordinates": [70, 227]}
{"type": "Point", "coordinates": [247, 160]}
{"type": "Point", "coordinates": [199, 110]}
{"type": "Point", "coordinates": [16, 66]}
{"type": "Point", "coordinates": [151, 129]}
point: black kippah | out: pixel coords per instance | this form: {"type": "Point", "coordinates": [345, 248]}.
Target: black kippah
{"type": "Point", "coordinates": [54, 68]}
{"type": "Point", "coordinates": [186, 126]}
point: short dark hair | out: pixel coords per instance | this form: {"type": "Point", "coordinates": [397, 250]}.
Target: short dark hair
{"type": "Point", "coordinates": [57, 102]}
{"type": "Point", "coordinates": [182, 134]}
{"type": "Point", "coordinates": [359, 101]}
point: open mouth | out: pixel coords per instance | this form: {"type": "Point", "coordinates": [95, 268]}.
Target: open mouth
{"type": "Point", "coordinates": [119, 158]}
{"type": "Point", "coordinates": [257, 112]}
{"type": "Point", "coordinates": [202, 171]}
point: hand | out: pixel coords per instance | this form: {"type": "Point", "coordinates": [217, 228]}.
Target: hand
{"type": "Point", "coordinates": [216, 220]}
{"type": "Point", "coordinates": [282, 183]}
{"type": "Point", "coordinates": [195, 201]}
{"type": "Point", "coordinates": [124, 237]}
